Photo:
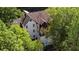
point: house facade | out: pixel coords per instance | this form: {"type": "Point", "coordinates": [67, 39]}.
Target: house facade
{"type": "Point", "coordinates": [33, 29]}
{"type": "Point", "coordinates": [36, 24]}
{"type": "Point", "coordinates": [34, 21]}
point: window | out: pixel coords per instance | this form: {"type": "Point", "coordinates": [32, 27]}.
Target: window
{"type": "Point", "coordinates": [33, 30]}
{"type": "Point", "coordinates": [34, 36]}
{"type": "Point", "coordinates": [33, 25]}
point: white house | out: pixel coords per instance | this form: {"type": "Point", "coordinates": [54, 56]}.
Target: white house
{"type": "Point", "coordinates": [32, 28]}
{"type": "Point", "coordinates": [33, 22]}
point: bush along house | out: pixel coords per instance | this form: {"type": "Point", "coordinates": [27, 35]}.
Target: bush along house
{"type": "Point", "coordinates": [35, 23]}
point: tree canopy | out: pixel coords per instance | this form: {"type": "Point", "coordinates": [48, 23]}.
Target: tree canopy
{"type": "Point", "coordinates": [8, 14]}
{"type": "Point", "coordinates": [16, 38]}
{"type": "Point", "coordinates": [64, 28]}
{"type": "Point", "coordinates": [13, 37]}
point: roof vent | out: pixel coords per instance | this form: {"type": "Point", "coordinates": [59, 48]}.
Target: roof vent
{"type": "Point", "coordinates": [26, 11]}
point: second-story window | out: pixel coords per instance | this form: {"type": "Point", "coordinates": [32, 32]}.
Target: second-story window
{"type": "Point", "coordinates": [33, 30]}
{"type": "Point", "coordinates": [33, 25]}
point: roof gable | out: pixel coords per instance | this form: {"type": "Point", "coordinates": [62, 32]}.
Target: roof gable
{"type": "Point", "coordinates": [39, 17]}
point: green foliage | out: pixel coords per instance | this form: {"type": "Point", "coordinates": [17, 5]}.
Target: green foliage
{"type": "Point", "coordinates": [7, 14]}
{"type": "Point", "coordinates": [8, 39]}
{"type": "Point", "coordinates": [16, 38]}
{"type": "Point", "coordinates": [27, 43]}
{"type": "Point", "coordinates": [22, 35]}
{"type": "Point", "coordinates": [13, 37]}
{"type": "Point", "coordinates": [36, 46]}
{"type": "Point", "coordinates": [64, 28]}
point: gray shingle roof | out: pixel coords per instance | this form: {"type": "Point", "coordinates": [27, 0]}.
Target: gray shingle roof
{"type": "Point", "coordinates": [40, 17]}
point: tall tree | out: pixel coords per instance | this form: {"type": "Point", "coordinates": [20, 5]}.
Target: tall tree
{"type": "Point", "coordinates": [8, 14]}
{"type": "Point", "coordinates": [65, 28]}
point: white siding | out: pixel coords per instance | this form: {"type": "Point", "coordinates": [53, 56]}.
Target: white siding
{"type": "Point", "coordinates": [30, 29]}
